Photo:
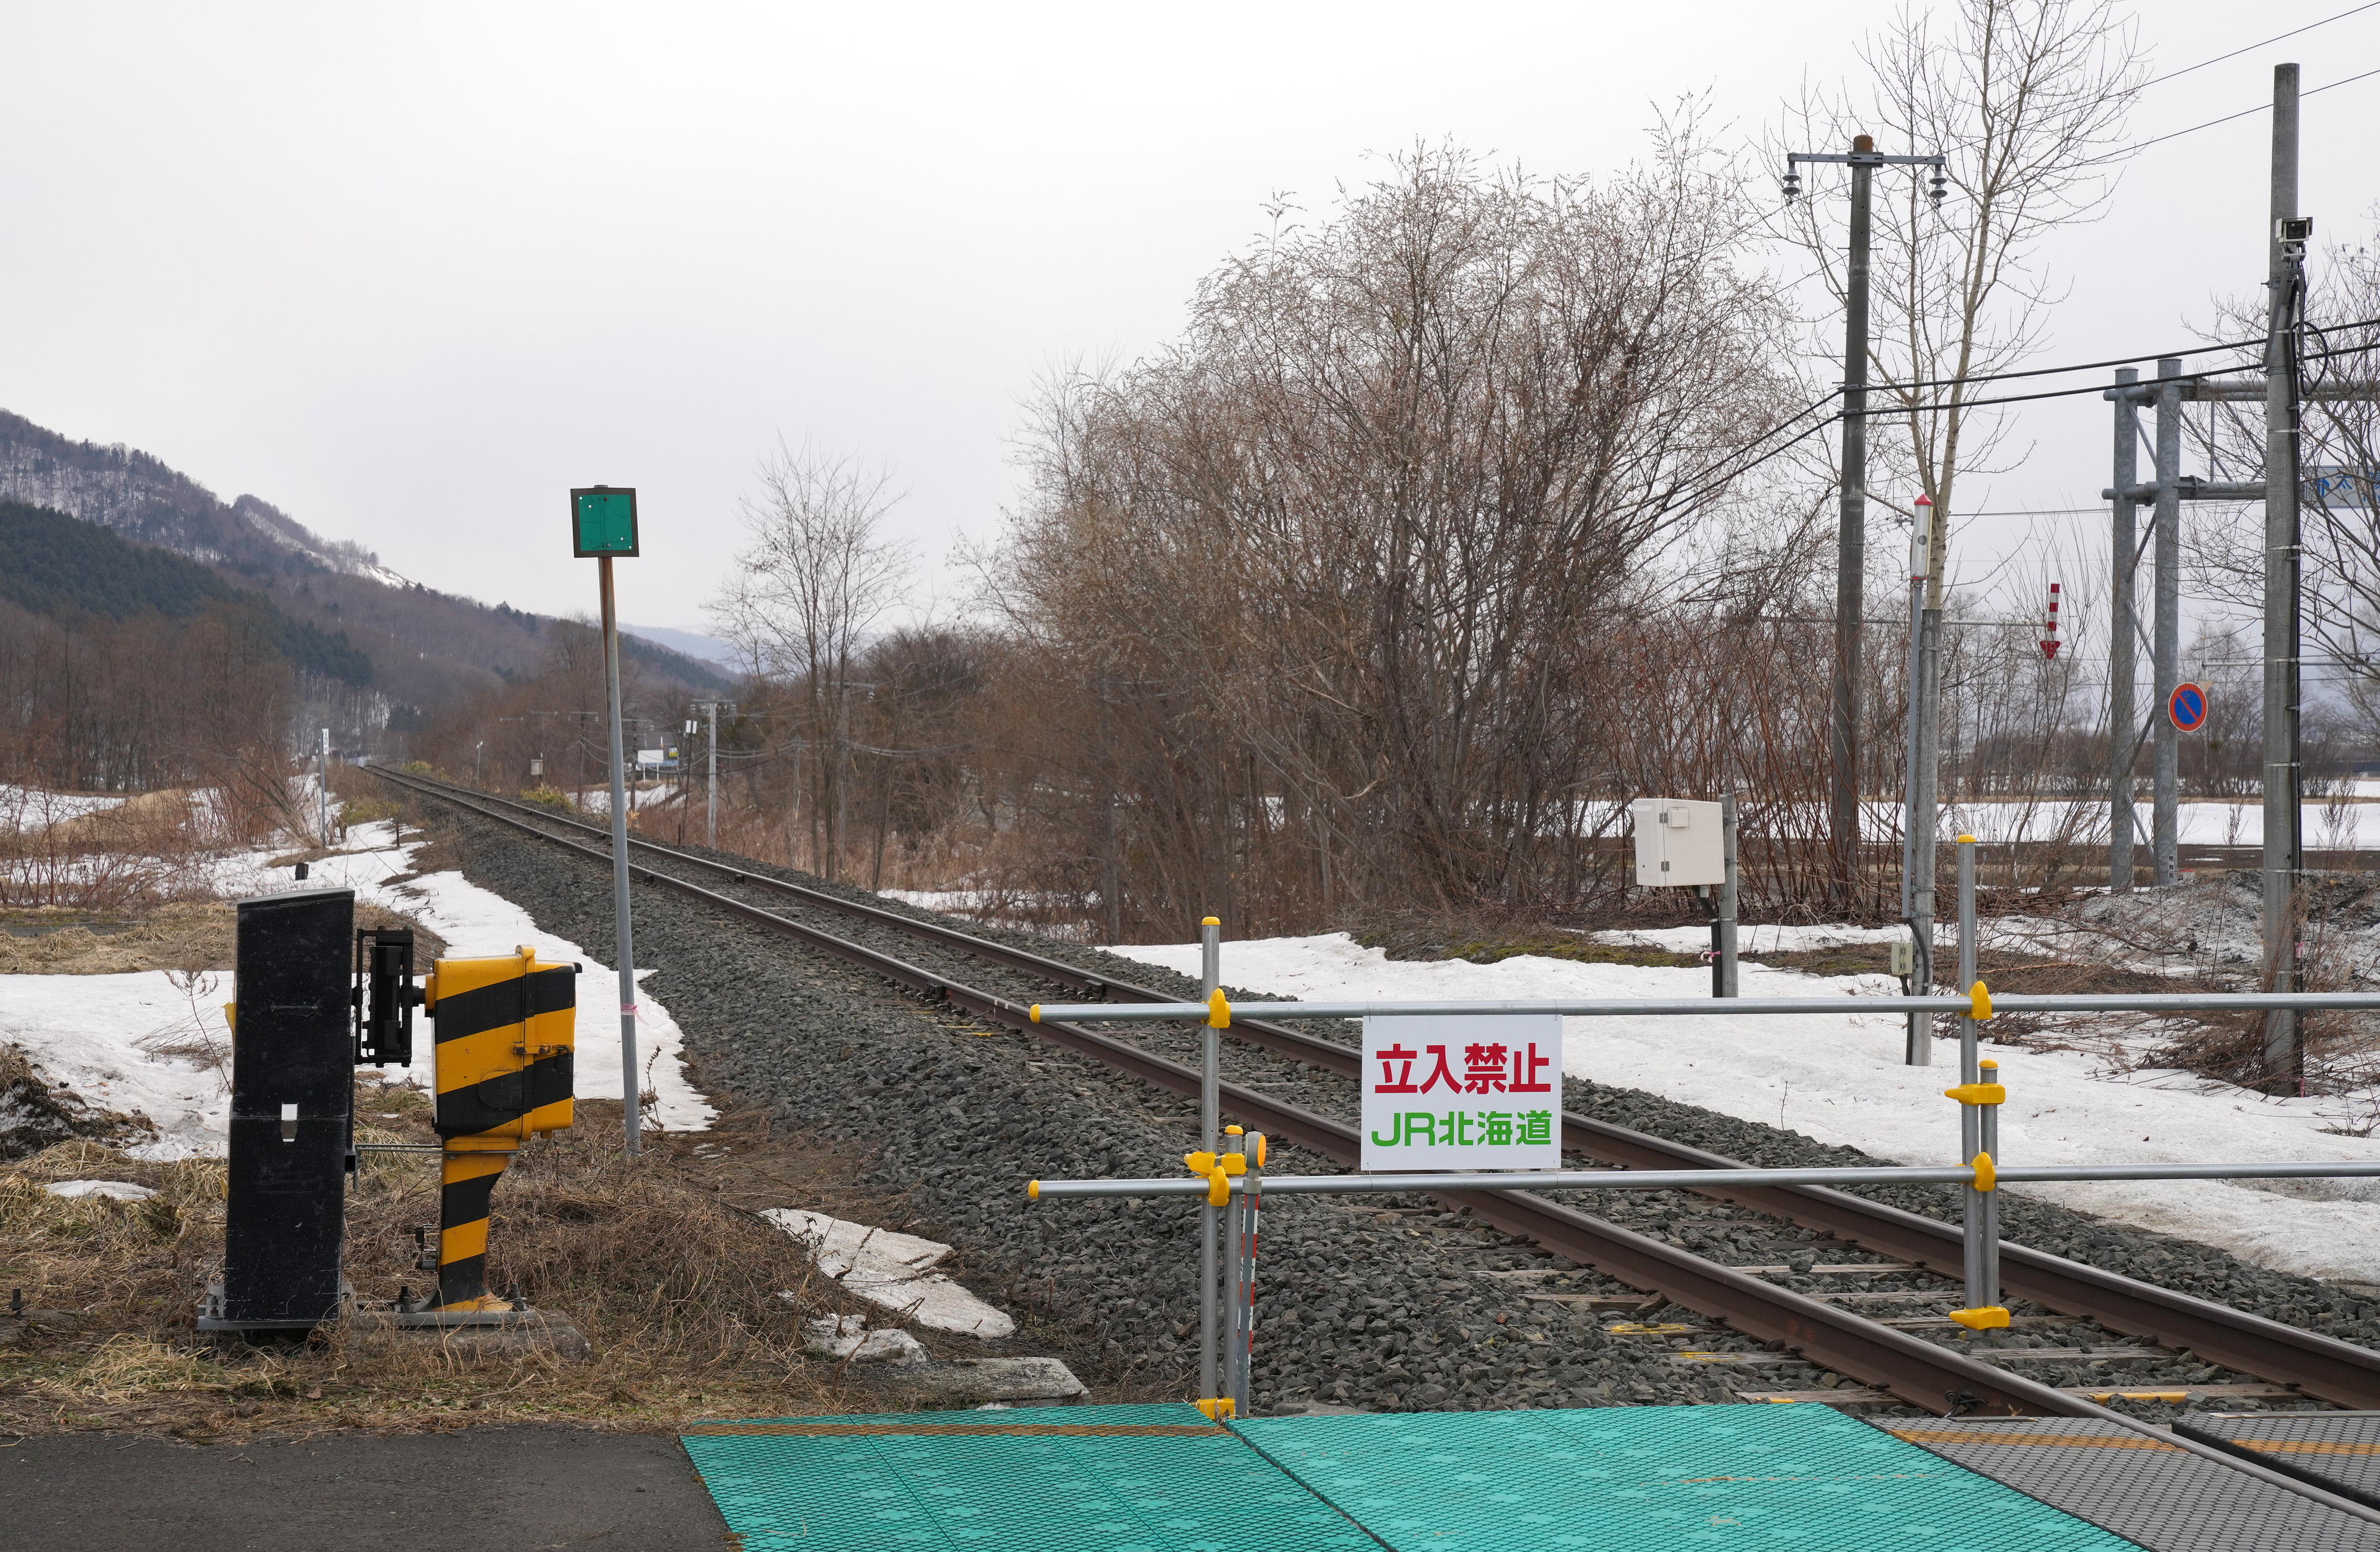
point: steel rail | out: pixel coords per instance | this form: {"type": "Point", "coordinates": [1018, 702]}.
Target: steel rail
{"type": "Point", "coordinates": [1704, 1006]}
{"type": "Point", "coordinates": [2323, 1367]}
{"type": "Point", "coordinates": [1916, 1371]}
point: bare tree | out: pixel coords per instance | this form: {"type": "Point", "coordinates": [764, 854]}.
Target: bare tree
{"type": "Point", "coordinates": [2340, 508]}
{"type": "Point", "coordinates": [816, 579]}
{"type": "Point", "coordinates": [2027, 100]}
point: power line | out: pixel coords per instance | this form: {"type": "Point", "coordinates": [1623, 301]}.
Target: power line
{"type": "Point", "coordinates": [2226, 118]}
{"type": "Point", "coordinates": [2174, 74]}
{"type": "Point", "coordinates": [2101, 387]}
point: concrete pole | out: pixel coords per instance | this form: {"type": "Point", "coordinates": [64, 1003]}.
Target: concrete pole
{"type": "Point", "coordinates": [2283, 1057]}
{"type": "Point", "coordinates": [2165, 627]}
{"type": "Point", "coordinates": [624, 940]}
{"type": "Point", "coordinates": [711, 778]}
{"type": "Point", "coordinates": [1917, 832]}
{"type": "Point", "coordinates": [2123, 628]}
{"type": "Point", "coordinates": [1210, 976]}
{"type": "Point", "coordinates": [1851, 545]}
{"type": "Point", "coordinates": [1929, 764]}
{"type": "Point", "coordinates": [323, 788]}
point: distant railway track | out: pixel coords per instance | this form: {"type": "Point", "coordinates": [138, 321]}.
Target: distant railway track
{"type": "Point", "coordinates": [1908, 1369]}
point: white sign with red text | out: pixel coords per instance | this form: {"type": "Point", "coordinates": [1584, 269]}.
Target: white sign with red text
{"type": "Point", "coordinates": [1463, 1091]}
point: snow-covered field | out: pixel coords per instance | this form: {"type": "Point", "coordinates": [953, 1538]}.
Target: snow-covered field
{"type": "Point", "coordinates": [1841, 1079]}
{"type": "Point", "coordinates": [135, 1042]}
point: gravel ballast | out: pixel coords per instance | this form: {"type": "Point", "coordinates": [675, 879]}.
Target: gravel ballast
{"type": "Point", "coordinates": [1371, 1301]}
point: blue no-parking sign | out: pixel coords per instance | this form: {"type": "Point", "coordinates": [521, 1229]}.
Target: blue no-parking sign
{"type": "Point", "coordinates": [2186, 706]}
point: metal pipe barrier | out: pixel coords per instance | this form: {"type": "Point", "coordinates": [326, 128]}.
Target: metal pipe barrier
{"type": "Point", "coordinates": [1703, 1007]}
{"type": "Point", "coordinates": [1686, 1180]}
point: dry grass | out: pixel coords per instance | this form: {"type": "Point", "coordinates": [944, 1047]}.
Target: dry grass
{"type": "Point", "coordinates": [680, 1287]}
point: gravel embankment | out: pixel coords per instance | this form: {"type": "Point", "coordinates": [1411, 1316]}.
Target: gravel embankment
{"type": "Point", "coordinates": [1380, 1302]}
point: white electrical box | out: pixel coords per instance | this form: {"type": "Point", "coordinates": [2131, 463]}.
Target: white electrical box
{"type": "Point", "coordinates": [1678, 842]}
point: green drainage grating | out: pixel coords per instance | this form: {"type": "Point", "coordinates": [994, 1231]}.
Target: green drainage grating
{"type": "Point", "coordinates": [1164, 1479]}
{"type": "Point", "coordinates": [1051, 1479]}
{"type": "Point", "coordinates": [1654, 1479]}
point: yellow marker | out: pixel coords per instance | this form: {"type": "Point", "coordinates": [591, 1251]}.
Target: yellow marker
{"type": "Point", "coordinates": [231, 1016]}
{"type": "Point", "coordinates": [1033, 1190]}
{"type": "Point", "coordinates": [1219, 1009]}
{"type": "Point", "coordinates": [1980, 1002]}
{"type": "Point", "coordinates": [1211, 921]}
{"type": "Point", "coordinates": [1986, 1175]}
{"type": "Point", "coordinates": [1233, 1163]}
{"type": "Point", "coordinates": [1966, 840]}
{"type": "Point", "coordinates": [1991, 1317]}
{"type": "Point", "coordinates": [1217, 1408]}
{"type": "Point", "coordinates": [1260, 1150]}
{"type": "Point", "coordinates": [1198, 1163]}
{"type": "Point", "coordinates": [1978, 1094]}
{"type": "Point", "coordinates": [1035, 1012]}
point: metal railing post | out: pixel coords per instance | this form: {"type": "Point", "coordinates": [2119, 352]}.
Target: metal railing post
{"type": "Point", "coordinates": [1235, 1207]}
{"type": "Point", "coordinates": [1988, 1124]}
{"type": "Point", "coordinates": [1967, 1073]}
{"type": "Point", "coordinates": [1210, 957]}
{"type": "Point", "coordinates": [1249, 1202]}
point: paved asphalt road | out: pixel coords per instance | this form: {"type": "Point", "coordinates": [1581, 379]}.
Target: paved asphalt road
{"type": "Point", "coordinates": [480, 1490]}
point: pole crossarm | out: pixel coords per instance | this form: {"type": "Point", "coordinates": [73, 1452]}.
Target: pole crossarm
{"type": "Point", "coordinates": [2180, 1002]}
{"type": "Point", "coordinates": [2189, 488]}
{"type": "Point", "coordinates": [1686, 1180]}
{"type": "Point", "coordinates": [1863, 159]}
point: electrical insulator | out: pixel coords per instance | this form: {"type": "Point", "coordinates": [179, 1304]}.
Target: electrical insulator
{"type": "Point", "coordinates": [2049, 638]}
{"type": "Point", "coordinates": [1939, 187]}
{"type": "Point", "coordinates": [1793, 185]}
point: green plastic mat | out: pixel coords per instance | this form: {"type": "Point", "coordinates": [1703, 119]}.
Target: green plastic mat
{"type": "Point", "coordinates": [1053, 1479]}
{"type": "Point", "coordinates": [1653, 1479]}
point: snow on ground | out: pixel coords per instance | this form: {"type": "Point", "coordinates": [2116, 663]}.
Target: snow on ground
{"type": "Point", "coordinates": [156, 1042]}
{"type": "Point", "coordinates": [1841, 1079]}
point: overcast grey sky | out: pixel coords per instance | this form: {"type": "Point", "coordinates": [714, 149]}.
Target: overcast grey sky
{"type": "Point", "coordinates": [409, 272]}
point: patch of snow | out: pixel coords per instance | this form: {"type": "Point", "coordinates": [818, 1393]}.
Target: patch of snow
{"type": "Point", "coordinates": [892, 1269]}
{"type": "Point", "coordinates": [155, 1042]}
{"type": "Point", "coordinates": [115, 1191]}
{"type": "Point", "coordinates": [848, 1336]}
{"type": "Point", "coordinates": [1840, 1079]}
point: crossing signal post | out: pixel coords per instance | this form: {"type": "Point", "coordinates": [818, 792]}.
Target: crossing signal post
{"type": "Point", "coordinates": [322, 998]}
{"type": "Point", "coordinates": [603, 523]}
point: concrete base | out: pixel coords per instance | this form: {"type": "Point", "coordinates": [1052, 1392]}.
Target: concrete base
{"type": "Point", "coordinates": [1042, 1380]}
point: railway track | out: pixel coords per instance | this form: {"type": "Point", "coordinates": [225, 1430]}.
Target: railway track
{"type": "Point", "coordinates": [1825, 1330]}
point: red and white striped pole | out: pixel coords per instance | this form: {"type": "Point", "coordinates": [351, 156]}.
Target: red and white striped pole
{"type": "Point", "coordinates": [2049, 641]}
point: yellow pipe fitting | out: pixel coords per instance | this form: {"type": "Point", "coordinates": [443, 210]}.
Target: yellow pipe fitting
{"type": "Point", "coordinates": [1219, 1189]}
{"type": "Point", "coordinates": [1978, 1094]}
{"type": "Point", "coordinates": [1987, 1175]}
{"type": "Point", "coordinates": [1966, 841]}
{"type": "Point", "coordinates": [1034, 1012]}
{"type": "Point", "coordinates": [1198, 1163]}
{"type": "Point", "coordinates": [1033, 1190]}
{"type": "Point", "coordinates": [1211, 921]}
{"type": "Point", "coordinates": [1979, 1005]}
{"type": "Point", "coordinates": [1219, 1009]}
{"type": "Point", "coordinates": [1233, 1163]}
{"type": "Point", "coordinates": [1991, 1317]}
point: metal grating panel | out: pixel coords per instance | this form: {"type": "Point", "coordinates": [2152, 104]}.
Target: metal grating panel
{"type": "Point", "coordinates": [1051, 1479]}
{"type": "Point", "coordinates": [2338, 1450]}
{"type": "Point", "coordinates": [1655, 1479]}
{"type": "Point", "coordinates": [2160, 1497]}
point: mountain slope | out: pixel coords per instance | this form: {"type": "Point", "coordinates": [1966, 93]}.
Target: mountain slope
{"type": "Point", "coordinates": [425, 647]}
{"type": "Point", "coordinates": [52, 564]}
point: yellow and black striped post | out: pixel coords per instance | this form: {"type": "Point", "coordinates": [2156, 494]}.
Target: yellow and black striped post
{"type": "Point", "coordinates": [505, 1030]}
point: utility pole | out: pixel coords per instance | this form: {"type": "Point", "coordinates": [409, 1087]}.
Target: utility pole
{"type": "Point", "coordinates": [323, 788]}
{"type": "Point", "coordinates": [1851, 533]}
{"type": "Point", "coordinates": [2122, 628]}
{"type": "Point", "coordinates": [2284, 853]}
{"type": "Point", "coordinates": [710, 774]}
{"type": "Point", "coordinates": [2165, 837]}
